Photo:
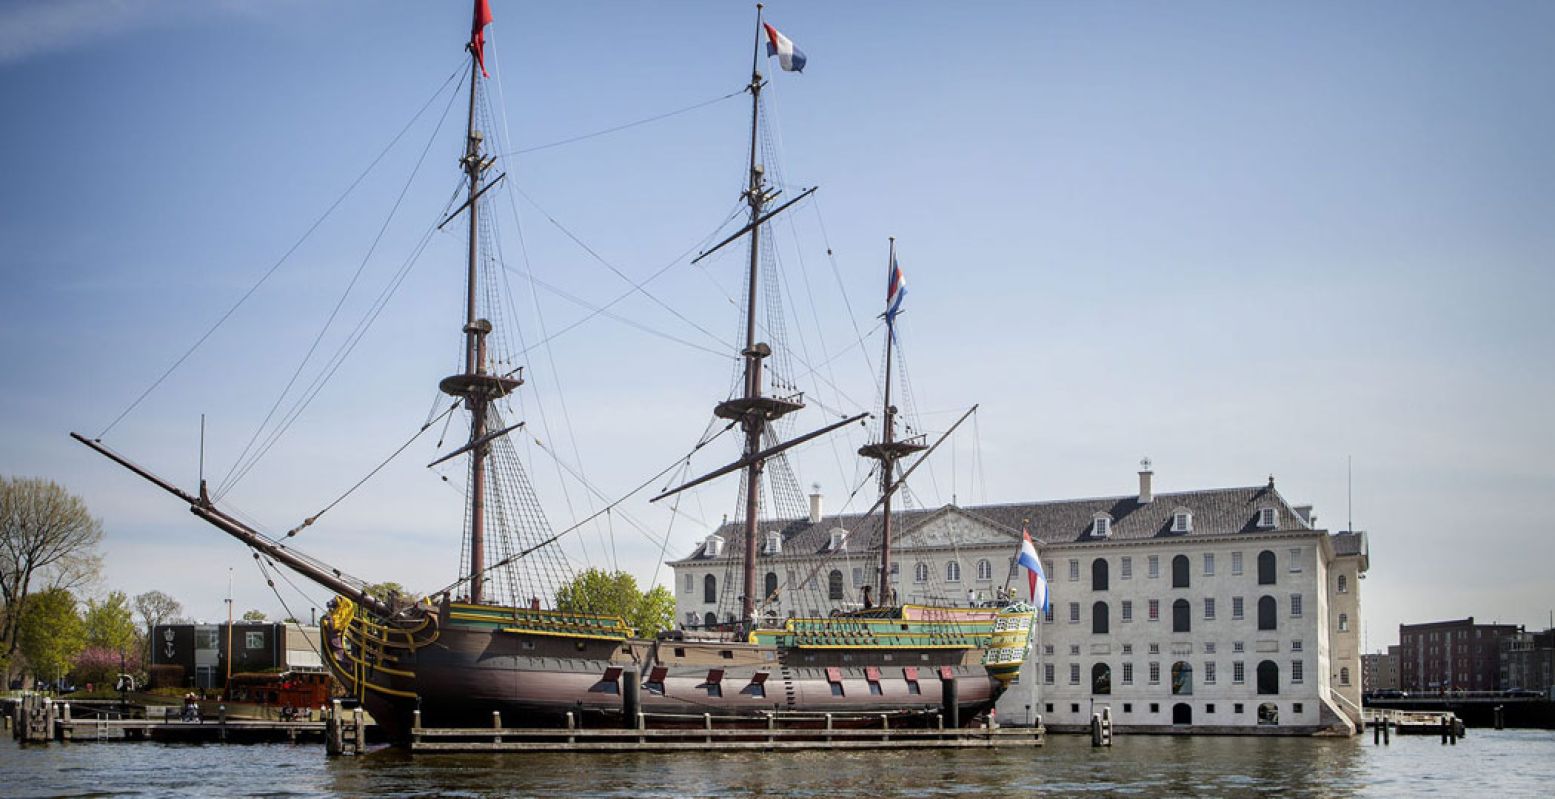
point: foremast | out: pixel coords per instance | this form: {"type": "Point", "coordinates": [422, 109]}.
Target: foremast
{"type": "Point", "coordinates": [476, 386]}
{"type": "Point", "coordinates": [888, 450]}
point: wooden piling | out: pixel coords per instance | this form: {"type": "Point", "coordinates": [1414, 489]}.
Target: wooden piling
{"type": "Point", "coordinates": [631, 697]}
{"type": "Point", "coordinates": [360, 741]}
{"type": "Point", "coordinates": [950, 700]}
{"type": "Point", "coordinates": [496, 724]}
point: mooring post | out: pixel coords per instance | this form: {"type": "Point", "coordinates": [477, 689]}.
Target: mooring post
{"type": "Point", "coordinates": [572, 724]}
{"type": "Point", "coordinates": [415, 726]}
{"type": "Point", "coordinates": [631, 697]}
{"type": "Point", "coordinates": [361, 730]}
{"type": "Point", "coordinates": [53, 709]}
{"type": "Point", "coordinates": [1500, 717]}
{"type": "Point", "coordinates": [885, 724]}
{"type": "Point", "coordinates": [771, 725]}
{"type": "Point", "coordinates": [496, 724]}
{"type": "Point", "coordinates": [333, 740]}
{"type": "Point", "coordinates": [951, 702]}
{"type": "Point", "coordinates": [1095, 729]}
{"type": "Point", "coordinates": [642, 724]}
{"type": "Point", "coordinates": [707, 724]}
{"type": "Point", "coordinates": [1376, 732]}
{"type": "Point", "coordinates": [1387, 733]}
{"type": "Point", "coordinates": [1445, 727]}
{"type": "Point", "coordinates": [64, 728]}
{"type": "Point", "coordinates": [828, 727]}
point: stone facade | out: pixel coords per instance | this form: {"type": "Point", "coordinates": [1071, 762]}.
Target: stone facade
{"type": "Point", "coordinates": [1224, 610]}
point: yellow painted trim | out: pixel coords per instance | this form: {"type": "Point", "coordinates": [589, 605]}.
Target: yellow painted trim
{"type": "Point", "coordinates": [390, 691]}
{"type": "Point", "coordinates": [553, 634]}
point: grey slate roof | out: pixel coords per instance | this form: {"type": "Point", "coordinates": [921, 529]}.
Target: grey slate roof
{"type": "Point", "coordinates": [1218, 511]}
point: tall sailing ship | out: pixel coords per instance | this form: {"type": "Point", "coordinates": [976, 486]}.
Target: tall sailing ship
{"type": "Point", "coordinates": [464, 652]}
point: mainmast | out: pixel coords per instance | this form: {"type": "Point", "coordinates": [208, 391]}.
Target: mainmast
{"type": "Point", "coordinates": [888, 450]}
{"type": "Point", "coordinates": [475, 385]}
{"type": "Point", "coordinates": [753, 410]}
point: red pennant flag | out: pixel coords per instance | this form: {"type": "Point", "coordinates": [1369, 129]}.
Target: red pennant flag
{"type": "Point", "coordinates": [478, 33]}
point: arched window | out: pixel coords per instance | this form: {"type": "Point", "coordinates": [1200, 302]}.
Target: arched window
{"type": "Point", "coordinates": [1101, 679]}
{"type": "Point", "coordinates": [710, 620]}
{"type": "Point", "coordinates": [1268, 713]}
{"type": "Point", "coordinates": [1099, 618]}
{"type": "Point", "coordinates": [984, 570]}
{"type": "Point", "coordinates": [771, 583]}
{"type": "Point", "coordinates": [920, 572]}
{"type": "Point", "coordinates": [1099, 574]}
{"type": "Point", "coordinates": [1180, 622]}
{"type": "Point", "coordinates": [1266, 568]}
{"type": "Point", "coordinates": [1344, 622]}
{"type": "Point", "coordinates": [1180, 571]}
{"type": "Point", "coordinates": [953, 572]}
{"type": "Point", "coordinates": [834, 585]}
{"type": "Point", "coordinates": [1268, 677]}
{"type": "Point", "coordinates": [1182, 679]}
{"type": "Point", "coordinates": [709, 588]}
{"type": "Point", "coordinates": [1344, 584]}
{"type": "Point", "coordinates": [1266, 612]}
{"type": "Point", "coordinates": [1182, 713]}
{"type": "Point", "coordinates": [1344, 675]}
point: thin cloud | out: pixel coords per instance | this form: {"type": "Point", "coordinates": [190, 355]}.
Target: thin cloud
{"type": "Point", "coordinates": [31, 28]}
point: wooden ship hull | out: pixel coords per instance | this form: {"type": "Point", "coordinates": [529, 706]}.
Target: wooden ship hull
{"type": "Point", "coordinates": [460, 663]}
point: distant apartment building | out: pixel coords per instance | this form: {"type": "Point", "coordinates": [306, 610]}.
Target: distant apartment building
{"type": "Point", "coordinates": [1379, 671]}
{"type": "Point", "coordinates": [1528, 660]}
{"type": "Point", "coordinates": [1456, 655]}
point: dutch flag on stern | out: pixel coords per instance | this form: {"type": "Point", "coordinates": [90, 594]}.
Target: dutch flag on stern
{"type": "Point", "coordinates": [791, 58]}
{"type": "Point", "coordinates": [1028, 559]}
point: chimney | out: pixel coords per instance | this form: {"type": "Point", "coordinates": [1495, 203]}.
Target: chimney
{"type": "Point", "coordinates": [313, 617]}
{"type": "Point", "coordinates": [1145, 495]}
{"type": "Point", "coordinates": [815, 507]}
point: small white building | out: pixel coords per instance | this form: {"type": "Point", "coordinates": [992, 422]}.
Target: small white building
{"type": "Point", "coordinates": [1220, 610]}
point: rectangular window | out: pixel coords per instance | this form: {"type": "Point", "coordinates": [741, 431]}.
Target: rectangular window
{"type": "Point", "coordinates": [1209, 672]}
{"type": "Point", "coordinates": [1074, 650]}
{"type": "Point", "coordinates": [1047, 569]}
{"type": "Point", "coordinates": [1238, 673]}
{"type": "Point", "coordinates": [1155, 649]}
{"type": "Point", "coordinates": [1295, 559]}
{"type": "Point", "coordinates": [1236, 563]}
{"type": "Point", "coordinates": [1074, 570]}
{"type": "Point", "coordinates": [253, 640]}
{"type": "Point", "coordinates": [1236, 608]}
{"type": "Point", "coordinates": [1295, 707]}
{"type": "Point", "coordinates": [1295, 671]}
{"type": "Point", "coordinates": [1155, 610]}
{"type": "Point", "coordinates": [1128, 674]}
{"type": "Point", "coordinates": [1128, 610]}
{"type": "Point", "coordinates": [1209, 607]}
{"type": "Point", "coordinates": [1209, 564]}
{"type": "Point", "coordinates": [1155, 673]}
{"type": "Point", "coordinates": [1295, 646]}
{"type": "Point", "coordinates": [1047, 649]}
{"type": "Point", "coordinates": [1074, 674]}
{"type": "Point", "coordinates": [1047, 615]}
{"type": "Point", "coordinates": [1295, 606]}
{"type": "Point", "coordinates": [1155, 566]}
{"type": "Point", "coordinates": [690, 585]}
{"type": "Point", "coordinates": [1209, 647]}
{"type": "Point", "coordinates": [858, 576]}
{"type": "Point", "coordinates": [1126, 568]}
{"type": "Point", "coordinates": [1236, 708]}
{"type": "Point", "coordinates": [206, 639]}
{"type": "Point", "coordinates": [1047, 673]}
{"type": "Point", "coordinates": [1128, 649]}
{"type": "Point", "coordinates": [1074, 612]}
{"type": "Point", "coordinates": [1236, 646]}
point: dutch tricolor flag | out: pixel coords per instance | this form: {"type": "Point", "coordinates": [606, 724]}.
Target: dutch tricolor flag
{"type": "Point", "coordinates": [790, 57]}
{"type": "Point", "coordinates": [896, 291]}
{"type": "Point", "coordinates": [1028, 559]}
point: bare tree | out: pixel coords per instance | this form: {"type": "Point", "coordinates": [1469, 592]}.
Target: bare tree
{"type": "Point", "coordinates": [46, 534]}
{"type": "Point", "coordinates": [156, 608]}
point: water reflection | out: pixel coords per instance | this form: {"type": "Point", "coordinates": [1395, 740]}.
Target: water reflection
{"type": "Point", "coordinates": [1510, 763]}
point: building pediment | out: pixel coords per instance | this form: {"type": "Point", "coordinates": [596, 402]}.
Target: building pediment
{"type": "Point", "coordinates": [952, 526]}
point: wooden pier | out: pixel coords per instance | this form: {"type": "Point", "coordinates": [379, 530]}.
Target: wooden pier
{"type": "Point", "coordinates": [37, 719]}
{"type": "Point", "coordinates": [659, 733]}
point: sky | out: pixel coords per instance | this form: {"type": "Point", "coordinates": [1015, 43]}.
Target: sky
{"type": "Point", "coordinates": [1241, 239]}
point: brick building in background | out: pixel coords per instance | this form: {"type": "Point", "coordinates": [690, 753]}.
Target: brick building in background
{"type": "Point", "coordinates": [1456, 655]}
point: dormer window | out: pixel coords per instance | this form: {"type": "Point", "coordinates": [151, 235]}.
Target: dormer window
{"type": "Point", "coordinates": [713, 548]}
{"type": "Point", "coordinates": [839, 539]}
{"type": "Point", "coordinates": [1182, 521]}
{"type": "Point", "coordinates": [774, 543]}
{"type": "Point", "coordinates": [1101, 525]}
{"type": "Point", "coordinates": [1268, 517]}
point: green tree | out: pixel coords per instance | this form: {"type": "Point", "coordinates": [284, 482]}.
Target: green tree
{"type": "Point", "coordinates": [383, 590]}
{"type": "Point", "coordinates": [51, 632]}
{"type": "Point", "coordinates": [47, 538]}
{"type": "Point", "coordinates": [253, 615]}
{"type": "Point", "coordinates": [110, 624]}
{"type": "Point", "coordinates": [603, 593]}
